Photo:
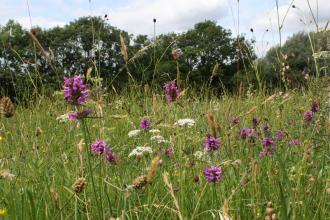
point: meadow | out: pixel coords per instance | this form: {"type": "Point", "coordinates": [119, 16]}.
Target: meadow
{"type": "Point", "coordinates": [96, 123]}
{"type": "Point", "coordinates": [250, 155]}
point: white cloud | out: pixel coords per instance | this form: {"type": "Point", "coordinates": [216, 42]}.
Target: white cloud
{"type": "Point", "coordinates": [39, 21]}
{"type": "Point", "coordinates": [171, 15]}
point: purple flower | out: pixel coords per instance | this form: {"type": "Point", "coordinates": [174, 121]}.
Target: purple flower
{"type": "Point", "coordinates": [294, 142]}
{"type": "Point", "coordinates": [246, 132]}
{"type": "Point", "coordinates": [235, 121]}
{"type": "Point", "coordinates": [98, 147]}
{"type": "Point", "coordinates": [280, 135]}
{"type": "Point", "coordinates": [268, 147]}
{"type": "Point", "coordinates": [213, 174]}
{"type": "Point", "coordinates": [266, 127]}
{"type": "Point", "coordinates": [145, 124]}
{"type": "Point", "coordinates": [315, 107]}
{"type": "Point", "coordinates": [211, 143]}
{"type": "Point", "coordinates": [75, 90]}
{"type": "Point", "coordinates": [268, 142]}
{"type": "Point", "coordinates": [308, 116]}
{"type": "Point", "coordinates": [110, 156]}
{"type": "Point", "coordinates": [171, 91]}
{"type": "Point", "coordinates": [74, 116]}
{"type": "Point", "coordinates": [169, 151]}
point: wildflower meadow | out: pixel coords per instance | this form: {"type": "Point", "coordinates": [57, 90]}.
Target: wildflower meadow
{"type": "Point", "coordinates": [129, 140]}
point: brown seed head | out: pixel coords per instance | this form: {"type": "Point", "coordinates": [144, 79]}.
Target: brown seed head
{"type": "Point", "coordinates": [140, 182]}
{"type": "Point", "coordinates": [79, 185]}
{"type": "Point", "coordinates": [152, 169]}
{"type": "Point", "coordinates": [54, 197]}
{"type": "Point", "coordinates": [213, 125]}
{"type": "Point", "coordinates": [7, 108]}
{"type": "Point", "coordinates": [38, 131]}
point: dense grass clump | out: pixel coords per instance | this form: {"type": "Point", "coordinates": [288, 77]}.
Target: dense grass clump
{"type": "Point", "coordinates": [272, 154]}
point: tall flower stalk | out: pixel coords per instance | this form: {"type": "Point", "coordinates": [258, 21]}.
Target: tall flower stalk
{"type": "Point", "coordinates": [76, 93]}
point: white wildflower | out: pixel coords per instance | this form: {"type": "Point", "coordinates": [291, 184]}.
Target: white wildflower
{"type": "Point", "coordinates": [159, 139]}
{"type": "Point", "coordinates": [138, 151]}
{"type": "Point", "coordinates": [5, 174]}
{"type": "Point", "coordinates": [185, 121]}
{"type": "Point", "coordinates": [154, 131]}
{"type": "Point", "coordinates": [63, 118]}
{"type": "Point", "coordinates": [199, 154]}
{"type": "Point", "coordinates": [134, 133]}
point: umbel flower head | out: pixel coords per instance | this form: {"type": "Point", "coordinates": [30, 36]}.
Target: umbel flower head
{"type": "Point", "coordinates": [211, 143]}
{"type": "Point", "coordinates": [171, 91]}
{"type": "Point", "coordinates": [75, 90]}
{"type": "Point", "coordinates": [213, 174]}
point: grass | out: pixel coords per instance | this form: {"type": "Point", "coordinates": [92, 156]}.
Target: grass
{"type": "Point", "coordinates": [46, 165]}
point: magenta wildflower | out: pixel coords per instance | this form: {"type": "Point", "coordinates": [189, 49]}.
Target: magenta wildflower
{"type": "Point", "coordinates": [268, 147]}
{"type": "Point", "coordinates": [213, 174]}
{"type": "Point", "coordinates": [110, 156]}
{"type": "Point", "coordinates": [169, 151]}
{"type": "Point", "coordinates": [280, 135]}
{"type": "Point", "coordinates": [145, 124]}
{"type": "Point", "coordinates": [266, 127]}
{"type": "Point", "coordinates": [235, 121]}
{"type": "Point", "coordinates": [246, 132]}
{"type": "Point", "coordinates": [171, 91]}
{"type": "Point", "coordinates": [98, 147]}
{"type": "Point", "coordinates": [315, 106]}
{"type": "Point", "coordinates": [75, 90]}
{"type": "Point", "coordinates": [308, 116]}
{"type": "Point", "coordinates": [74, 116]}
{"type": "Point", "coordinates": [211, 143]}
{"type": "Point", "coordinates": [294, 142]}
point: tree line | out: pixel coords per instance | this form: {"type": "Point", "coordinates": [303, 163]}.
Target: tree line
{"type": "Point", "coordinates": [35, 61]}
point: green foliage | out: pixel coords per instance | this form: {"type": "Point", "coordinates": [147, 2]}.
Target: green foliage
{"type": "Point", "coordinates": [304, 54]}
{"type": "Point", "coordinates": [46, 164]}
{"type": "Point", "coordinates": [91, 42]}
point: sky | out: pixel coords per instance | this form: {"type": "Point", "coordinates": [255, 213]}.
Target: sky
{"type": "Point", "coordinates": [136, 16]}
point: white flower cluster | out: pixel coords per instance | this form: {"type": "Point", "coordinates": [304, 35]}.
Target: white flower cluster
{"type": "Point", "coordinates": [63, 118]}
{"type": "Point", "coordinates": [185, 121]}
{"type": "Point", "coordinates": [134, 133]}
{"type": "Point", "coordinates": [159, 139]}
{"type": "Point", "coordinates": [138, 151]}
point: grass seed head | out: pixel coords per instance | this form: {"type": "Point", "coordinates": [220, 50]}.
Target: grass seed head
{"type": "Point", "coordinates": [54, 196]}
{"type": "Point", "coordinates": [38, 132]}
{"type": "Point", "coordinates": [152, 169]}
{"type": "Point", "coordinates": [213, 125]}
{"type": "Point", "coordinates": [79, 185]}
{"type": "Point", "coordinates": [7, 108]}
{"type": "Point", "coordinates": [140, 182]}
